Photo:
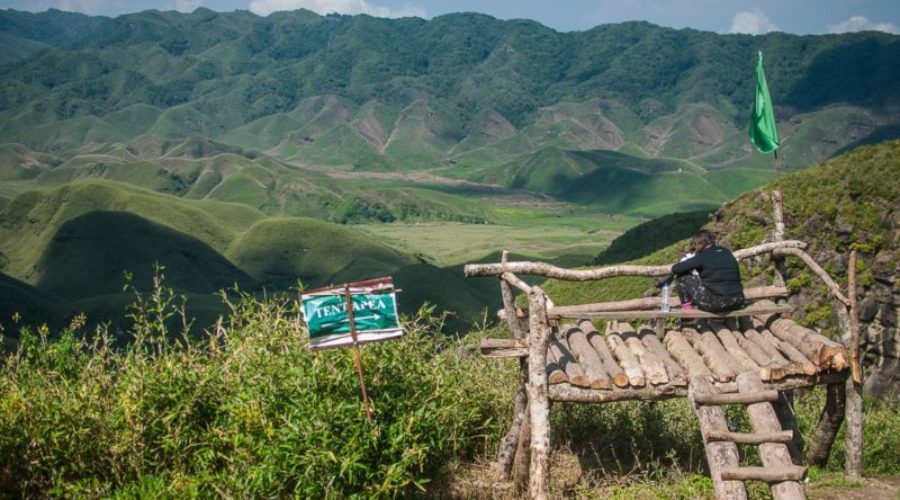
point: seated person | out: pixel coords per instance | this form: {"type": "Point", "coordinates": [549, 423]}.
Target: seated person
{"type": "Point", "coordinates": [716, 284]}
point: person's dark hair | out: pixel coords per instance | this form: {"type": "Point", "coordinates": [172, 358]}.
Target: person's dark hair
{"type": "Point", "coordinates": [703, 240]}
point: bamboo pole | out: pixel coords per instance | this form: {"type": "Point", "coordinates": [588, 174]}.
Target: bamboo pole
{"type": "Point", "coordinates": [539, 404]}
{"type": "Point", "coordinates": [551, 271]}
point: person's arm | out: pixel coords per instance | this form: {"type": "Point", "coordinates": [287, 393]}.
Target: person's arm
{"type": "Point", "coordinates": [687, 265]}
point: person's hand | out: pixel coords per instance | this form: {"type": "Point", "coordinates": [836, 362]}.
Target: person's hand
{"type": "Point", "coordinates": [663, 281]}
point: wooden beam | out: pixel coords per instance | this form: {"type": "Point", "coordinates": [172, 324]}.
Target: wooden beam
{"type": "Point", "coordinates": [580, 312]}
{"type": "Point", "coordinates": [765, 474]}
{"type": "Point", "coordinates": [504, 348]}
{"type": "Point", "coordinates": [551, 271]}
{"type": "Point", "coordinates": [736, 397]}
{"type": "Point", "coordinates": [752, 438]}
{"type": "Point", "coordinates": [538, 402]}
{"type": "Point", "coordinates": [654, 303]}
{"type": "Point", "coordinates": [720, 455]}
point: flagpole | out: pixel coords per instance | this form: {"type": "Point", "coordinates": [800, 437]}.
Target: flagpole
{"type": "Point", "coordinates": [778, 206]}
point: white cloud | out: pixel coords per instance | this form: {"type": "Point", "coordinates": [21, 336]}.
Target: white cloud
{"type": "Point", "coordinates": [752, 22]}
{"type": "Point", "coordinates": [266, 7]}
{"type": "Point", "coordinates": [862, 23]}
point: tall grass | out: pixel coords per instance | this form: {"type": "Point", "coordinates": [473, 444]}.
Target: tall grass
{"type": "Point", "coordinates": [248, 411]}
{"type": "Point", "coordinates": [245, 411]}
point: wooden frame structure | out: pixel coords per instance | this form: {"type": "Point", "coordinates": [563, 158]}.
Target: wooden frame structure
{"type": "Point", "coordinates": [629, 365]}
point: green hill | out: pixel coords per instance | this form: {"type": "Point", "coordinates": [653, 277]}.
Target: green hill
{"type": "Point", "coordinates": [848, 202]}
{"type": "Point", "coordinates": [464, 94]}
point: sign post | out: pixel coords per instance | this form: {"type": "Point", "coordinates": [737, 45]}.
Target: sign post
{"type": "Point", "coordinates": [350, 315]}
{"type": "Point", "coordinates": [356, 355]}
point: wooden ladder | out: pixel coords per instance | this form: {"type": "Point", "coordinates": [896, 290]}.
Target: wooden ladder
{"type": "Point", "coordinates": [721, 444]}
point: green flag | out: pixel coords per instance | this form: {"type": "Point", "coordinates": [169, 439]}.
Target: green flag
{"type": "Point", "coordinates": [763, 134]}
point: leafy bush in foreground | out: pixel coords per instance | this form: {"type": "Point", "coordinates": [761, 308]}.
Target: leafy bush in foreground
{"type": "Point", "coordinates": [246, 411]}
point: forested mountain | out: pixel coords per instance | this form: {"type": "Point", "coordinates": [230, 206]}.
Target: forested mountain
{"type": "Point", "coordinates": [467, 94]}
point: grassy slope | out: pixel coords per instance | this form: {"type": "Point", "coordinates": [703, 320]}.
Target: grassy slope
{"type": "Point", "coordinates": [847, 200]}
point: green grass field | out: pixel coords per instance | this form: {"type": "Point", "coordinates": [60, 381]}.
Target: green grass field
{"type": "Point", "coordinates": [541, 233]}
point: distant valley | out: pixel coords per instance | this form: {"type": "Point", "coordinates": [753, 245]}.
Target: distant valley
{"type": "Point", "coordinates": [250, 151]}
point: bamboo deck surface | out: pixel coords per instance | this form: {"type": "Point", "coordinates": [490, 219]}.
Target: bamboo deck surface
{"type": "Point", "coordinates": [626, 362]}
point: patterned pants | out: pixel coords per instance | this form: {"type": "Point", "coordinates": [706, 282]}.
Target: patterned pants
{"type": "Point", "coordinates": [690, 289]}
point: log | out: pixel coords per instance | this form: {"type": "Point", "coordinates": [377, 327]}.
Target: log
{"type": "Point", "coordinates": [504, 348]}
{"type": "Point", "coordinates": [789, 475]}
{"type": "Point", "coordinates": [816, 269]}
{"type": "Point", "coordinates": [674, 370]}
{"type": "Point", "coordinates": [514, 280]}
{"type": "Point", "coordinates": [598, 342]}
{"type": "Point", "coordinates": [821, 351]}
{"type": "Point", "coordinates": [734, 398]}
{"type": "Point", "coordinates": [854, 411]}
{"type": "Point", "coordinates": [855, 368]}
{"type": "Point", "coordinates": [730, 343]}
{"type": "Point", "coordinates": [522, 463]}
{"type": "Point", "coordinates": [509, 304]}
{"type": "Point", "coordinates": [757, 354]}
{"type": "Point", "coordinates": [755, 309]}
{"type": "Point", "coordinates": [719, 362]}
{"type": "Point", "coordinates": [555, 372]}
{"type": "Point", "coordinates": [767, 347]}
{"type": "Point", "coordinates": [799, 364]}
{"type": "Point", "coordinates": [572, 394]}
{"type": "Point", "coordinates": [588, 358]}
{"type": "Point", "coordinates": [653, 367]}
{"type": "Point", "coordinates": [686, 356]}
{"type": "Point", "coordinates": [827, 428]}
{"type": "Point", "coordinates": [654, 303]}
{"type": "Point", "coordinates": [551, 271]}
{"type": "Point", "coordinates": [538, 400]}
{"type": "Point", "coordinates": [627, 360]}
{"type": "Point", "coordinates": [721, 455]}
{"type": "Point", "coordinates": [567, 361]}
{"type": "Point", "coordinates": [509, 445]}
{"type": "Point", "coordinates": [774, 456]}
{"type": "Point", "coordinates": [754, 438]}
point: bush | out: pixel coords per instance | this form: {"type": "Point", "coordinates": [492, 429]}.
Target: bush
{"type": "Point", "coordinates": [246, 411]}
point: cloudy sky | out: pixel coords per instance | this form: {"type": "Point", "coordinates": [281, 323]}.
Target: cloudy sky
{"type": "Point", "coordinates": [722, 16]}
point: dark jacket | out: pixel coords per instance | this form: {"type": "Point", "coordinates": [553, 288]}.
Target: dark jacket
{"type": "Point", "coordinates": [718, 270]}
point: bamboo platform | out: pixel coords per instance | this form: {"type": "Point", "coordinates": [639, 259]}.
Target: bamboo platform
{"type": "Point", "coordinates": [625, 362]}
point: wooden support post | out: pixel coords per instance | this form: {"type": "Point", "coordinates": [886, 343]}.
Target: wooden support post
{"type": "Point", "coordinates": [775, 456]}
{"type": "Point", "coordinates": [784, 410]}
{"type": "Point", "coordinates": [853, 465]}
{"type": "Point", "coordinates": [538, 400]}
{"type": "Point", "coordinates": [829, 422]}
{"type": "Point", "coordinates": [510, 444]}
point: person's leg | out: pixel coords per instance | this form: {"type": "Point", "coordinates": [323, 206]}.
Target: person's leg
{"type": "Point", "coordinates": [688, 286]}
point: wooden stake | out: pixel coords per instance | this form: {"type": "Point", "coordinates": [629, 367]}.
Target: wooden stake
{"type": "Point", "coordinates": [854, 411]}
{"type": "Point", "coordinates": [356, 354]}
{"type": "Point", "coordinates": [855, 368]}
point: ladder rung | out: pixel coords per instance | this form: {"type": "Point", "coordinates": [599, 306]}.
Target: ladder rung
{"type": "Point", "coordinates": [764, 474]}
{"type": "Point", "coordinates": [735, 397]}
{"type": "Point", "coordinates": [754, 438]}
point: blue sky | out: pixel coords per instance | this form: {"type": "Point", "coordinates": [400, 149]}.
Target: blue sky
{"type": "Point", "coordinates": [721, 16]}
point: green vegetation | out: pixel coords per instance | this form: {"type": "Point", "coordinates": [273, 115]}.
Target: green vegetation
{"type": "Point", "coordinates": [235, 412]}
